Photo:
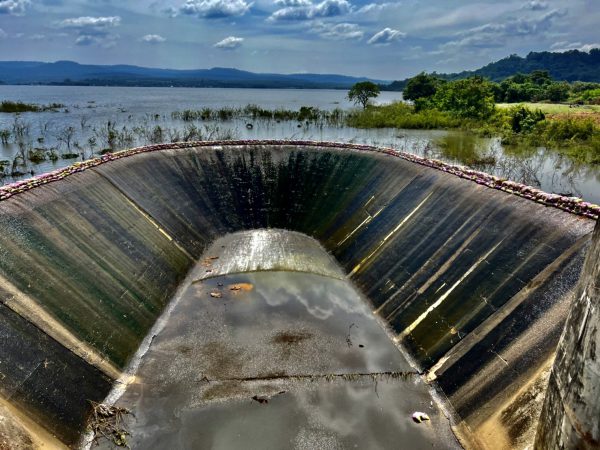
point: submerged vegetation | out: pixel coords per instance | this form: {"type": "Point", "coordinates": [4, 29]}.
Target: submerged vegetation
{"type": "Point", "coordinates": [103, 138]}
{"type": "Point", "coordinates": [309, 114]}
{"type": "Point", "coordinates": [50, 142]}
{"type": "Point", "coordinates": [8, 106]}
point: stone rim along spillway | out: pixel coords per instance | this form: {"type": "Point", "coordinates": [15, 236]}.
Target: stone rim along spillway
{"type": "Point", "coordinates": [473, 282]}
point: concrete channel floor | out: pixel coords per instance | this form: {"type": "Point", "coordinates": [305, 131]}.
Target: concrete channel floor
{"type": "Point", "coordinates": [276, 359]}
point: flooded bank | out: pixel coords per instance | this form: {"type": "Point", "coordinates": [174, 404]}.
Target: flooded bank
{"type": "Point", "coordinates": [95, 119]}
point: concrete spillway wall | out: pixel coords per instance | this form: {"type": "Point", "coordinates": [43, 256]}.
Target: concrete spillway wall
{"type": "Point", "coordinates": [474, 282]}
{"type": "Point", "coordinates": [571, 414]}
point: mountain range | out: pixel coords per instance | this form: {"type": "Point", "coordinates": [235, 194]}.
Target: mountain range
{"type": "Point", "coordinates": [572, 65]}
{"type": "Point", "coordinates": [72, 73]}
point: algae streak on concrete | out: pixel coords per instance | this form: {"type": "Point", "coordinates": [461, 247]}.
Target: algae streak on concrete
{"type": "Point", "coordinates": [474, 282]}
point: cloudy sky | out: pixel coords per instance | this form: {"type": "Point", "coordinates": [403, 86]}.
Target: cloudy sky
{"type": "Point", "coordinates": [386, 40]}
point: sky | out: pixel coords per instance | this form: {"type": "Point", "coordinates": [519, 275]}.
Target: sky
{"type": "Point", "coordinates": [382, 40]}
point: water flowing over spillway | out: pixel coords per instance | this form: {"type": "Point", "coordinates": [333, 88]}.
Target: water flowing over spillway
{"type": "Point", "coordinates": [472, 282]}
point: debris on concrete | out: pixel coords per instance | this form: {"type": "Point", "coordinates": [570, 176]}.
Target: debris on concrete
{"type": "Point", "coordinates": [241, 287]}
{"type": "Point", "coordinates": [260, 399]}
{"type": "Point", "coordinates": [107, 422]}
{"type": "Point", "coordinates": [419, 417]}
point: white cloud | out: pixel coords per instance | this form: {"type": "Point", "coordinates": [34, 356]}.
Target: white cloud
{"type": "Point", "coordinates": [230, 43]}
{"type": "Point", "coordinates": [564, 46]}
{"type": "Point", "coordinates": [386, 37]}
{"type": "Point", "coordinates": [536, 5]}
{"type": "Point", "coordinates": [327, 8]}
{"type": "Point", "coordinates": [341, 31]}
{"type": "Point", "coordinates": [284, 3]}
{"type": "Point", "coordinates": [377, 7]}
{"type": "Point", "coordinates": [14, 7]}
{"type": "Point", "coordinates": [496, 34]}
{"type": "Point", "coordinates": [90, 25]}
{"type": "Point", "coordinates": [92, 30]}
{"type": "Point", "coordinates": [153, 38]}
{"type": "Point", "coordinates": [587, 47]}
{"type": "Point", "coordinates": [103, 41]}
{"type": "Point", "coordinates": [2, 34]}
{"type": "Point", "coordinates": [86, 39]}
{"type": "Point", "coordinates": [171, 11]}
{"type": "Point", "coordinates": [211, 9]}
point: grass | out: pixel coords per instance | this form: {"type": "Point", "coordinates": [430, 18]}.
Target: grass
{"type": "Point", "coordinates": [576, 135]}
{"type": "Point", "coordinates": [402, 115]}
{"type": "Point", "coordinates": [553, 108]}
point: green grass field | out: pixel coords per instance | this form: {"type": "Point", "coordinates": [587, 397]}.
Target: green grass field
{"type": "Point", "coordinates": [554, 108]}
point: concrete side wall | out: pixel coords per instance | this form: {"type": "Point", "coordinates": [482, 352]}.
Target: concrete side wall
{"type": "Point", "coordinates": [571, 415]}
{"type": "Point", "coordinates": [83, 276]}
{"type": "Point", "coordinates": [461, 272]}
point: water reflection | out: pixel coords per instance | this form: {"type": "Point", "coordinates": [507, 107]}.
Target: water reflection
{"type": "Point", "coordinates": [323, 381]}
{"type": "Point", "coordinates": [538, 167]}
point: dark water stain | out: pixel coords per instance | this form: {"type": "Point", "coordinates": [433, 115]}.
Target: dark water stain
{"type": "Point", "coordinates": [290, 337]}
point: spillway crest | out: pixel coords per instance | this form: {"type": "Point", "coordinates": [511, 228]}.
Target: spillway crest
{"type": "Point", "coordinates": [474, 283]}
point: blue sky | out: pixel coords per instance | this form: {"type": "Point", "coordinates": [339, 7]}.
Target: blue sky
{"type": "Point", "coordinates": [386, 40]}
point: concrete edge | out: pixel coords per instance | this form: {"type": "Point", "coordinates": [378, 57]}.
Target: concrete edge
{"type": "Point", "coordinates": [571, 205]}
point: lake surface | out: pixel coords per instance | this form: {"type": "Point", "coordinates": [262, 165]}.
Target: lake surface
{"type": "Point", "coordinates": [134, 114]}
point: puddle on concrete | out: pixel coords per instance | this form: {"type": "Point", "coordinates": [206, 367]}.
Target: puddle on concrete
{"type": "Point", "coordinates": [323, 415]}
{"type": "Point", "coordinates": [288, 360]}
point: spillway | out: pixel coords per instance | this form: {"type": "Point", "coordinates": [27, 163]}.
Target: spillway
{"type": "Point", "coordinates": [116, 279]}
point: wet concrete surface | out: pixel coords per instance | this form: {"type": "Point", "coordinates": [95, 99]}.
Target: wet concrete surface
{"type": "Point", "coordinates": [266, 250]}
{"type": "Point", "coordinates": [277, 360]}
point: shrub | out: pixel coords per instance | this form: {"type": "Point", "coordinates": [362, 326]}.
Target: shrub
{"type": "Point", "coordinates": [37, 155]}
{"type": "Point", "coordinates": [523, 119]}
{"type": "Point", "coordinates": [569, 130]}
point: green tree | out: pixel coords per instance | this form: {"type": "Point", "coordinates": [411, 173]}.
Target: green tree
{"type": "Point", "coordinates": [421, 86]}
{"type": "Point", "coordinates": [540, 77]}
{"type": "Point", "coordinates": [469, 98]}
{"type": "Point", "coordinates": [362, 92]}
{"type": "Point", "coordinates": [558, 92]}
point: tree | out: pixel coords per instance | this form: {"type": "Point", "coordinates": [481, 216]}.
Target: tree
{"type": "Point", "coordinates": [421, 86]}
{"type": "Point", "coordinates": [469, 98]}
{"type": "Point", "coordinates": [362, 92]}
{"type": "Point", "coordinates": [558, 92]}
{"type": "Point", "coordinates": [66, 136]}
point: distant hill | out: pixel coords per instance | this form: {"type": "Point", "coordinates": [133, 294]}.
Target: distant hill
{"type": "Point", "coordinates": [572, 65]}
{"type": "Point", "coordinates": [72, 73]}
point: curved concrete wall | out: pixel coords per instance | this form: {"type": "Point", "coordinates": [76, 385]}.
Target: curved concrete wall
{"type": "Point", "coordinates": [474, 282]}
{"type": "Point", "coordinates": [571, 415]}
